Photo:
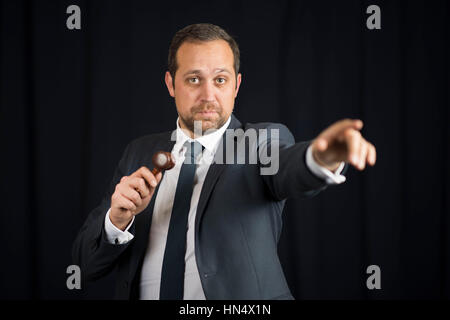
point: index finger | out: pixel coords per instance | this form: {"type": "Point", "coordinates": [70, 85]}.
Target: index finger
{"type": "Point", "coordinates": [146, 174]}
{"type": "Point", "coordinates": [337, 127]}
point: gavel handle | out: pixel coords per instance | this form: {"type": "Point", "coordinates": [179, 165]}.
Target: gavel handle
{"type": "Point", "coordinates": [155, 171]}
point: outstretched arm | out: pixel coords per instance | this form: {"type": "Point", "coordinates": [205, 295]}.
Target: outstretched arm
{"type": "Point", "coordinates": [339, 143]}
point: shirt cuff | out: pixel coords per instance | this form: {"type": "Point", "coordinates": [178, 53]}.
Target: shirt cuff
{"type": "Point", "coordinates": [322, 172]}
{"type": "Point", "coordinates": [114, 234]}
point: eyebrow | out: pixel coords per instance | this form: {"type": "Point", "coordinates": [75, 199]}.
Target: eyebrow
{"type": "Point", "coordinates": [217, 70]}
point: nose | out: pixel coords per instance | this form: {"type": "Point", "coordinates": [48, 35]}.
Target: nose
{"type": "Point", "coordinates": [207, 92]}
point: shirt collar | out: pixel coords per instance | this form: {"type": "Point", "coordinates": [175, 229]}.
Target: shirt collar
{"type": "Point", "coordinates": [209, 141]}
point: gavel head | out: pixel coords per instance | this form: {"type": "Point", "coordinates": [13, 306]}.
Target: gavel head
{"type": "Point", "coordinates": [163, 160]}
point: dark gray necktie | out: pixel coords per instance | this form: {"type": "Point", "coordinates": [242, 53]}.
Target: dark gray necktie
{"type": "Point", "coordinates": [172, 274]}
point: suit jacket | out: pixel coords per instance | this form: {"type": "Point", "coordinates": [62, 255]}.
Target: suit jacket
{"type": "Point", "coordinates": [237, 227]}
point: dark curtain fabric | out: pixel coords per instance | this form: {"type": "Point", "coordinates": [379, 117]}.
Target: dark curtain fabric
{"type": "Point", "coordinates": [72, 99]}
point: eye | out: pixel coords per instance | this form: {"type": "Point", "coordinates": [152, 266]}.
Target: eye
{"type": "Point", "coordinates": [193, 80]}
{"type": "Point", "coordinates": [221, 80]}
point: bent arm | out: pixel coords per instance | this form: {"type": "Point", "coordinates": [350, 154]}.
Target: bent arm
{"type": "Point", "coordinates": [91, 249]}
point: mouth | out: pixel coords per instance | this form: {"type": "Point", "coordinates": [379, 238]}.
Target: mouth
{"type": "Point", "coordinates": [207, 113]}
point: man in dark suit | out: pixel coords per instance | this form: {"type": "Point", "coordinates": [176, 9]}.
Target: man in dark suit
{"type": "Point", "coordinates": [208, 229]}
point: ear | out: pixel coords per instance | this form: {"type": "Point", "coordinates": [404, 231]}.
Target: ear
{"type": "Point", "coordinates": [169, 84]}
{"type": "Point", "coordinates": [238, 83]}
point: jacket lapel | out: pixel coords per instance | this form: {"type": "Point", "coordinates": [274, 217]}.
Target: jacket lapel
{"type": "Point", "coordinates": [214, 172]}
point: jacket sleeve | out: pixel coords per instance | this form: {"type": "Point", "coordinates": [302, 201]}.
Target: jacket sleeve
{"type": "Point", "coordinates": [91, 250]}
{"type": "Point", "coordinates": [290, 177]}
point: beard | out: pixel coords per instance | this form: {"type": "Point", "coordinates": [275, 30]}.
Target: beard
{"type": "Point", "coordinates": [213, 121]}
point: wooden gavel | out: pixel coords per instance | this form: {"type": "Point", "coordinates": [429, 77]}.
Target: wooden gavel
{"type": "Point", "coordinates": [162, 160]}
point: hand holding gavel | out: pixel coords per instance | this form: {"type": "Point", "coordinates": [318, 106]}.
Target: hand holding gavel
{"type": "Point", "coordinates": [133, 193]}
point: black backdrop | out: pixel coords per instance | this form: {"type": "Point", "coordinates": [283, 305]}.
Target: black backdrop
{"type": "Point", "coordinates": [72, 99]}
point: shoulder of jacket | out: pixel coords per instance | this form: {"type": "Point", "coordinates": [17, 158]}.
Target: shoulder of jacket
{"type": "Point", "coordinates": [265, 125]}
{"type": "Point", "coordinates": [283, 131]}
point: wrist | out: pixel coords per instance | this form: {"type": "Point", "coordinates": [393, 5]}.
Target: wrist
{"type": "Point", "coordinates": [120, 223]}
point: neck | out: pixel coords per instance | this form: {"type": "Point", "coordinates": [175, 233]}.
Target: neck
{"type": "Point", "coordinates": [188, 131]}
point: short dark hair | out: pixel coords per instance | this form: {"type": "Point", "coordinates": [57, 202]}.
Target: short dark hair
{"type": "Point", "coordinates": [200, 32]}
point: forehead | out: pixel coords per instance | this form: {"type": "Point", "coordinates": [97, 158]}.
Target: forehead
{"type": "Point", "coordinates": [205, 55]}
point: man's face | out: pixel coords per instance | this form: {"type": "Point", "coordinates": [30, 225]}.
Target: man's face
{"type": "Point", "coordinates": [205, 84]}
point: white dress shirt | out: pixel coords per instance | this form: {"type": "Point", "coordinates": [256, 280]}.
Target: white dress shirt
{"type": "Point", "coordinates": [152, 265]}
